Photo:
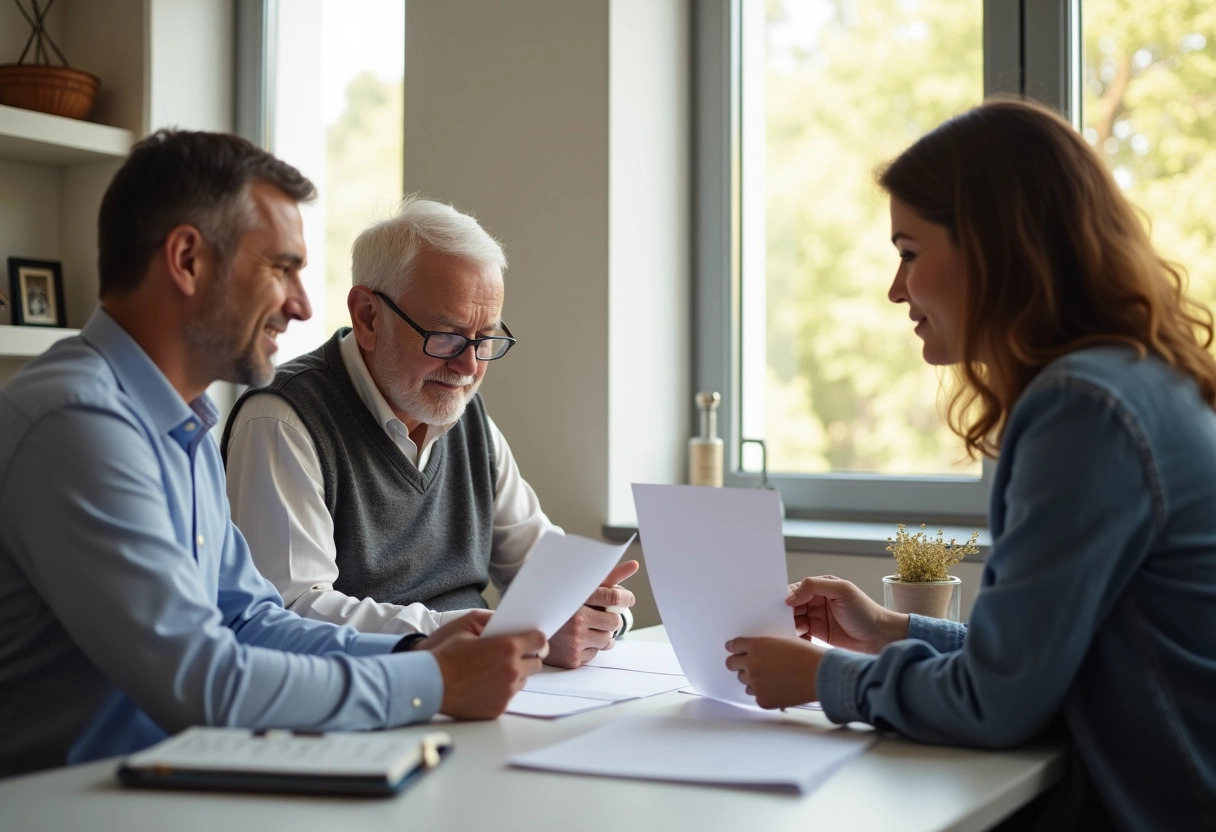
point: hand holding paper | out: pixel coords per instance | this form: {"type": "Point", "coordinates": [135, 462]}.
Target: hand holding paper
{"type": "Point", "coordinates": [561, 573]}
{"type": "Point", "coordinates": [716, 560]}
{"type": "Point", "coordinates": [779, 672]}
{"type": "Point", "coordinates": [481, 675]}
{"type": "Point", "coordinates": [593, 626]}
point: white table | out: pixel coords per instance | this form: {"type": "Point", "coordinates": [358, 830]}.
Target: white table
{"type": "Point", "coordinates": [895, 785]}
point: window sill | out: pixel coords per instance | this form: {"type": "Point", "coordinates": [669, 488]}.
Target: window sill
{"type": "Point", "coordinates": [835, 537]}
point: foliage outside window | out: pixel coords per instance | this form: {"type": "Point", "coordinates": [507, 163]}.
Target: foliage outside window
{"type": "Point", "coordinates": [1149, 107]}
{"type": "Point", "coordinates": [846, 86]}
{"type": "Point", "coordinates": [335, 110]}
{"type": "Point", "coordinates": [828, 372]}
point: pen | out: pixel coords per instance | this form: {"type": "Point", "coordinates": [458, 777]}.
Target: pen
{"type": "Point", "coordinates": [433, 746]}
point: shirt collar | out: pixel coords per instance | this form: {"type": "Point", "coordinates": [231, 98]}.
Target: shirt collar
{"type": "Point", "coordinates": [371, 396]}
{"type": "Point", "coordinates": [143, 381]}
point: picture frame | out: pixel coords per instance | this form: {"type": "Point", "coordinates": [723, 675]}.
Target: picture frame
{"type": "Point", "coordinates": [36, 292]}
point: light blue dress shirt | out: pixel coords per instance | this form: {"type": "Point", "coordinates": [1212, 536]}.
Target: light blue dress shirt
{"type": "Point", "coordinates": [1097, 608]}
{"type": "Point", "coordinates": [129, 606]}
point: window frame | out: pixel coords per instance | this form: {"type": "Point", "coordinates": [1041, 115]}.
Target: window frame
{"type": "Point", "coordinates": [1031, 47]}
{"type": "Point", "coordinates": [254, 76]}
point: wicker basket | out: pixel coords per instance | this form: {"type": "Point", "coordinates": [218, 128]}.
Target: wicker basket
{"type": "Point", "coordinates": [58, 90]}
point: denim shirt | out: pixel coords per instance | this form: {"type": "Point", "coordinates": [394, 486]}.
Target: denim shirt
{"type": "Point", "coordinates": [129, 606]}
{"type": "Point", "coordinates": [1098, 599]}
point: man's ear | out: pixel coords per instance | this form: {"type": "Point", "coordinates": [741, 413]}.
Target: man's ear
{"type": "Point", "coordinates": [364, 309]}
{"type": "Point", "coordinates": [188, 258]}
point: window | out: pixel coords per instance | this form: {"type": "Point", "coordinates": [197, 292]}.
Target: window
{"type": "Point", "coordinates": [798, 102]}
{"type": "Point", "coordinates": [1149, 107]}
{"type": "Point", "coordinates": [322, 88]}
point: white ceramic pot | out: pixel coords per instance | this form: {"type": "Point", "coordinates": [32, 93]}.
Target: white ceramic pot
{"type": "Point", "coordinates": [936, 599]}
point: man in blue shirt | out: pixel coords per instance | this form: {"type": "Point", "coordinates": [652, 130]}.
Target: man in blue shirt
{"type": "Point", "coordinates": [129, 606]}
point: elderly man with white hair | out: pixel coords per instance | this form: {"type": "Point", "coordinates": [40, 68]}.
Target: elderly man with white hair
{"type": "Point", "coordinates": [372, 485]}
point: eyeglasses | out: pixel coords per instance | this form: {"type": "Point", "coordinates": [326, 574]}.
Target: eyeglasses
{"type": "Point", "coordinates": [448, 345]}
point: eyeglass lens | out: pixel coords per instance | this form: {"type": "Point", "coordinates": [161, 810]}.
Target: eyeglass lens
{"type": "Point", "coordinates": [448, 345]}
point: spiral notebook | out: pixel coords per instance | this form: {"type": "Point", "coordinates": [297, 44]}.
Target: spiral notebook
{"type": "Point", "coordinates": [367, 763]}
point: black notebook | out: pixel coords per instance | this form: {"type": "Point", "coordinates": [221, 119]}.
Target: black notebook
{"type": "Point", "coordinates": [380, 763]}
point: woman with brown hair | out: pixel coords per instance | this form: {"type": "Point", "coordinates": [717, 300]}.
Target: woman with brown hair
{"type": "Point", "coordinates": [1083, 368]}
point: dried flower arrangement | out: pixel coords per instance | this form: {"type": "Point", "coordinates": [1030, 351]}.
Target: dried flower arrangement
{"type": "Point", "coordinates": [919, 558]}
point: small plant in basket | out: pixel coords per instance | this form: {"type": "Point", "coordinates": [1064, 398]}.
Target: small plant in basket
{"type": "Point", "coordinates": [40, 85]}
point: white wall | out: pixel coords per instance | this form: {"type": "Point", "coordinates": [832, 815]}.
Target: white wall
{"type": "Point", "coordinates": [189, 80]}
{"type": "Point", "coordinates": [563, 127]}
{"type": "Point", "coordinates": [109, 39]}
{"type": "Point", "coordinates": [649, 247]}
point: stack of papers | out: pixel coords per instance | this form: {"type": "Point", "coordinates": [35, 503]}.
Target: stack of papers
{"type": "Point", "coordinates": [641, 656]}
{"type": "Point", "coordinates": [747, 748]}
{"type": "Point", "coordinates": [630, 670]}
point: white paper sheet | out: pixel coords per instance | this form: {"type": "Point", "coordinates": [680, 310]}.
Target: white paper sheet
{"type": "Point", "coordinates": [640, 656]}
{"type": "Point", "coordinates": [752, 750]}
{"type": "Point", "coordinates": [716, 561]}
{"type": "Point", "coordinates": [559, 575]}
{"type": "Point", "coordinates": [809, 706]}
{"type": "Point", "coordinates": [602, 683]}
{"type": "Point", "coordinates": [548, 706]}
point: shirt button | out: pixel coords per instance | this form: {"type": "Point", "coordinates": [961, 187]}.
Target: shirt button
{"type": "Point", "coordinates": [190, 426]}
{"type": "Point", "coordinates": [200, 540]}
{"type": "Point", "coordinates": [417, 702]}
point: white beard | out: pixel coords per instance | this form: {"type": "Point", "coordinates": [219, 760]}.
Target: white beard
{"type": "Point", "coordinates": [434, 407]}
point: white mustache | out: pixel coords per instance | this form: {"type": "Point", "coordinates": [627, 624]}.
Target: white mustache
{"type": "Point", "coordinates": [454, 381]}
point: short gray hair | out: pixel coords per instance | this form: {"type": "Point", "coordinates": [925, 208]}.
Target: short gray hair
{"type": "Point", "coordinates": [382, 255]}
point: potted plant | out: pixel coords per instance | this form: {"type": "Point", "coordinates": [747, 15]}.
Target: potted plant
{"type": "Point", "coordinates": [922, 583]}
{"type": "Point", "coordinates": [39, 85]}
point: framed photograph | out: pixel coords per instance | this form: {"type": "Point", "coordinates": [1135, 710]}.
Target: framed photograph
{"type": "Point", "coordinates": [36, 292]}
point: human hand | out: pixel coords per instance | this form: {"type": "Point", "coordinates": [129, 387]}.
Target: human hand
{"type": "Point", "coordinates": [779, 672]}
{"type": "Point", "coordinates": [590, 629]}
{"type": "Point", "coordinates": [480, 675]}
{"type": "Point", "coordinates": [839, 613]}
{"type": "Point", "coordinates": [472, 623]}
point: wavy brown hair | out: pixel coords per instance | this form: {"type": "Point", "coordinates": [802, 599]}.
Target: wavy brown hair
{"type": "Point", "coordinates": [1057, 259]}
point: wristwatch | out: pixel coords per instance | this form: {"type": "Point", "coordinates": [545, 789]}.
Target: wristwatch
{"type": "Point", "coordinates": [409, 642]}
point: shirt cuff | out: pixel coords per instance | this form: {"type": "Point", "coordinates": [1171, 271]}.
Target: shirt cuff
{"type": "Point", "coordinates": [371, 644]}
{"type": "Point", "coordinates": [837, 683]}
{"type": "Point", "coordinates": [945, 636]}
{"type": "Point", "coordinates": [415, 686]}
{"type": "Point", "coordinates": [441, 618]}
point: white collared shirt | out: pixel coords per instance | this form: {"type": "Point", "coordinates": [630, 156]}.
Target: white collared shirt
{"type": "Point", "coordinates": [277, 493]}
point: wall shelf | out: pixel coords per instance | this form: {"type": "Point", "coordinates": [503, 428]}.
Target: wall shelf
{"type": "Point", "coordinates": [28, 341]}
{"type": "Point", "coordinates": [27, 136]}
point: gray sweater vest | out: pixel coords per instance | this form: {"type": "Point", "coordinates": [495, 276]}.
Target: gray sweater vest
{"type": "Point", "coordinates": [403, 536]}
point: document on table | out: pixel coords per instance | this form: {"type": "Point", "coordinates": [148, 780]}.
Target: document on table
{"type": "Point", "coordinates": [602, 683]}
{"type": "Point", "coordinates": [640, 656]}
{"type": "Point", "coordinates": [716, 560]}
{"type": "Point", "coordinates": [756, 749]}
{"type": "Point", "coordinates": [548, 706]}
{"type": "Point", "coordinates": [559, 575]}
{"type": "Point", "coordinates": [809, 706]}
